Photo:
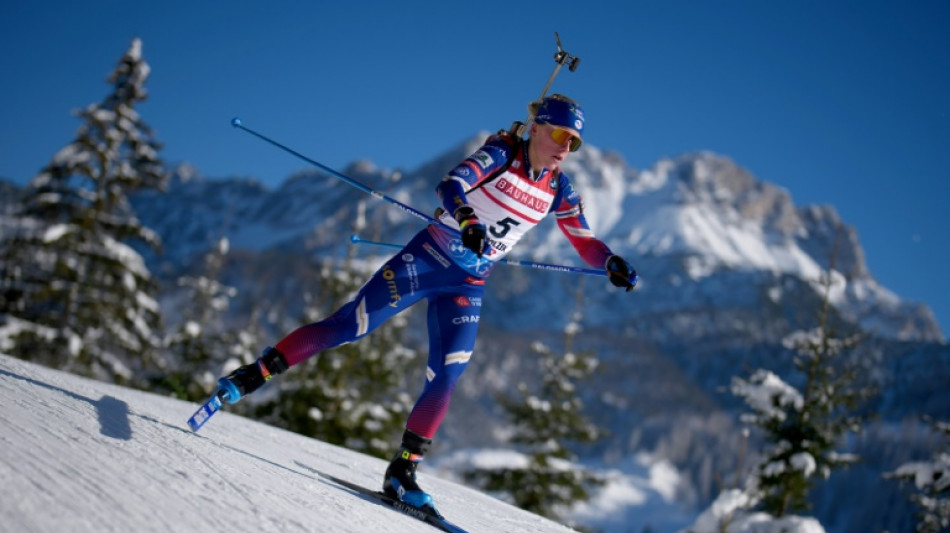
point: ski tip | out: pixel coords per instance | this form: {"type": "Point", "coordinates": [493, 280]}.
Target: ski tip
{"type": "Point", "coordinates": [354, 238]}
{"type": "Point", "coordinates": [236, 122]}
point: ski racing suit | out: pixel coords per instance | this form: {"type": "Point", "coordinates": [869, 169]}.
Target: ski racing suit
{"type": "Point", "coordinates": [435, 266]}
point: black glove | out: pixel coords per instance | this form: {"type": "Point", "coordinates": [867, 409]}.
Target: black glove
{"type": "Point", "coordinates": [620, 272]}
{"type": "Point", "coordinates": [473, 232]}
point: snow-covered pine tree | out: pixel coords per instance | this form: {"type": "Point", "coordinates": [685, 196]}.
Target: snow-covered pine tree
{"type": "Point", "coordinates": [76, 295]}
{"type": "Point", "coordinates": [931, 481]}
{"type": "Point", "coordinates": [202, 345]}
{"type": "Point", "coordinates": [804, 427]}
{"type": "Point", "coordinates": [353, 395]}
{"type": "Point", "coordinates": [547, 423]}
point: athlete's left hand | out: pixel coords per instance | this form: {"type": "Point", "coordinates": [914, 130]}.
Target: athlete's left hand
{"type": "Point", "coordinates": [621, 273]}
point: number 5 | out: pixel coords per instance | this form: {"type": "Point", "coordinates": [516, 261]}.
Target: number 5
{"type": "Point", "coordinates": [506, 224]}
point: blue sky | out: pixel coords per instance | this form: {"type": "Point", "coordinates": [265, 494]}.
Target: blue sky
{"type": "Point", "coordinates": [844, 103]}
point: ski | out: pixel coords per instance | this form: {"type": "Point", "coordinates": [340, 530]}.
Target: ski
{"type": "Point", "coordinates": [435, 520]}
{"type": "Point", "coordinates": [207, 410]}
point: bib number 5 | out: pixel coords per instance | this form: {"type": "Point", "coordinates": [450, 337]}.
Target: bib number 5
{"type": "Point", "coordinates": [501, 228]}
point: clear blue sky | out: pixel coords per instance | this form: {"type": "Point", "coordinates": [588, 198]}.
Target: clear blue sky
{"type": "Point", "coordinates": [844, 102]}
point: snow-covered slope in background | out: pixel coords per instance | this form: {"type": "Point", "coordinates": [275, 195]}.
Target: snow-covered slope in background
{"type": "Point", "coordinates": [84, 456]}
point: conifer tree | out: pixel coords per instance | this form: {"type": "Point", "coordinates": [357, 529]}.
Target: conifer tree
{"type": "Point", "coordinates": [546, 424]}
{"type": "Point", "coordinates": [931, 481]}
{"type": "Point", "coordinates": [202, 344]}
{"type": "Point", "coordinates": [804, 426]}
{"type": "Point", "coordinates": [76, 295]}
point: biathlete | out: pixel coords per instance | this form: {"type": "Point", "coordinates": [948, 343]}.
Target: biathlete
{"type": "Point", "coordinates": [492, 198]}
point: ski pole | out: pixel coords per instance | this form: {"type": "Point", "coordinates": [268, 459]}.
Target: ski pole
{"type": "Point", "coordinates": [237, 123]}
{"type": "Point", "coordinates": [356, 239]}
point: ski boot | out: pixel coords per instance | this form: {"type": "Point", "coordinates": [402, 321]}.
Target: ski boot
{"type": "Point", "coordinates": [400, 481]}
{"type": "Point", "coordinates": [251, 377]}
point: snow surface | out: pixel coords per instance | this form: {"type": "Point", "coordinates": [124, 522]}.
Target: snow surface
{"type": "Point", "coordinates": [85, 456]}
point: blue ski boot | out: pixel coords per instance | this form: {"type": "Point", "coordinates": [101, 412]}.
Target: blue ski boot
{"type": "Point", "coordinates": [400, 481]}
{"type": "Point", "coordinates": [251, 377]}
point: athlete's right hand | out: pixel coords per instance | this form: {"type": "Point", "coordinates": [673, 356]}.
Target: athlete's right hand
{"type": "Point", "coordinates": [621, 273]}
{"type": "Point", "coordinates": [474, 233]}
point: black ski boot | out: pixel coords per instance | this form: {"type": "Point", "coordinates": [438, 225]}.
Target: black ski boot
{"type": "Point", "coordinates": [251, 377]}
{"type": "Point", "coordinates": [400, 481]}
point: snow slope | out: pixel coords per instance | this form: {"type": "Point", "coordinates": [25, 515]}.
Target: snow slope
{"type": "Point", "coordinates": [84, 456]}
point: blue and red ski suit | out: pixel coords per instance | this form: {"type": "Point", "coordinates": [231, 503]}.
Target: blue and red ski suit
{"type": "Point", "coordinates": [436, 267]}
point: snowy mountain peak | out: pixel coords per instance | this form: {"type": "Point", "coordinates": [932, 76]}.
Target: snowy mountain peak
{"type": "Point", "coordinates": [705, 206]}
{"type": "Point", "coordinates": [702, 206]}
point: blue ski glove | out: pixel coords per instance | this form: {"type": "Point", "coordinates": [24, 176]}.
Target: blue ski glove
{"type": "Point", "coordinates": [621, 273]}
{"type": "Point", "coordinates": [474, 233]}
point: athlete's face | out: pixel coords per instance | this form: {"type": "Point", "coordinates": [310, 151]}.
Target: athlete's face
{"type": "Point", "coordinates": [549, 145]}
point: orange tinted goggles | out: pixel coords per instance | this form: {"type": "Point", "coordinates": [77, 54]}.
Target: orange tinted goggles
{"type": "Point", "coordinates": [561, 136]}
